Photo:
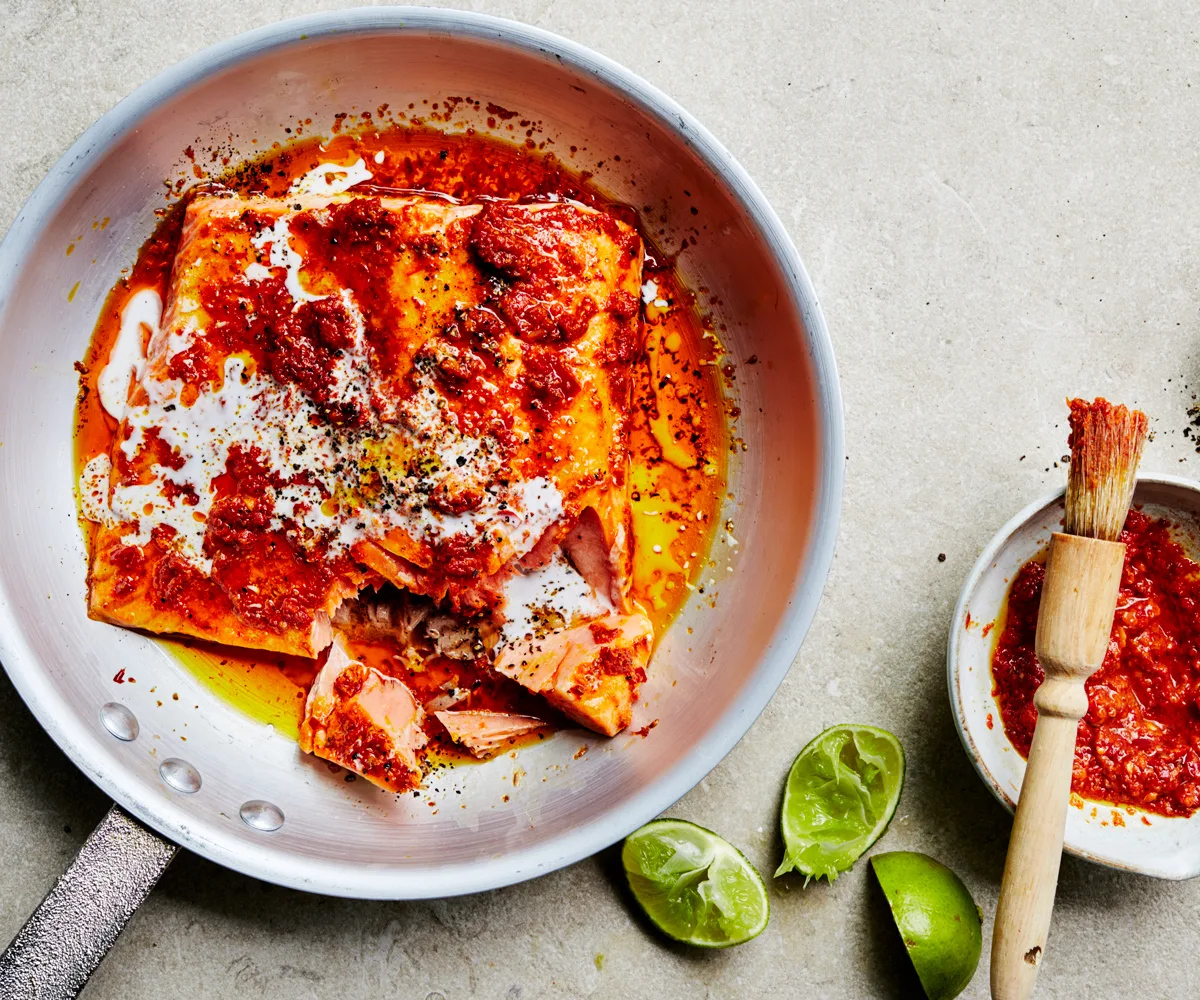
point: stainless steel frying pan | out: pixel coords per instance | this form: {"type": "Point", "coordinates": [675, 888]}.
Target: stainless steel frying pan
{"type": "Point", "coordinates": [215, 781]}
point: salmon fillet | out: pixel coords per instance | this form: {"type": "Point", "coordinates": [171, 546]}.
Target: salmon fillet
{"type": "Point", "coordinates": [365, 721]}
{"type": "Point", "coordinates": [590, 672]}
{"type": "Point", "coordinates": [344, 389]}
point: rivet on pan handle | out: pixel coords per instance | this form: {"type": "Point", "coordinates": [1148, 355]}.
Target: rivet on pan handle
{"type": "Point", "coordinates": [73, 928]}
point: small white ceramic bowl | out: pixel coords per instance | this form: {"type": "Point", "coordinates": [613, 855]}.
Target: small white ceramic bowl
{"type": "Point", "coordinates": [1170, 846]}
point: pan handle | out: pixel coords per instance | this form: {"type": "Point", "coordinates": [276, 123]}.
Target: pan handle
{"type": "Point", "coordinates": [73, 928]}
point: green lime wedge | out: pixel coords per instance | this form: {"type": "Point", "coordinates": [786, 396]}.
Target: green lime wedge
{"type": "Point", "coordinates": [841, 793]}
{"type": "Point", "coordinates": [936, 917]}
{"type": "Point", "coordinates": [694, 886]}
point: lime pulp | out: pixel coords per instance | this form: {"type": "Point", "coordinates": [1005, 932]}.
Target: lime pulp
{"type": "Point", "coordinates": [936, 917]}
{"type": "Point", "coordinates": [840, 796]}
{"type": "Point", "coordinates": [694, 886]}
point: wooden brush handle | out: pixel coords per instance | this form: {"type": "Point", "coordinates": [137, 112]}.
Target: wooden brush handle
{"type": "Point", "coordinates": [1083, 578]}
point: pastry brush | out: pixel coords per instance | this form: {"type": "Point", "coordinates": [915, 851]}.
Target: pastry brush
{"type": "Point", "coordinates": [1079, 598]}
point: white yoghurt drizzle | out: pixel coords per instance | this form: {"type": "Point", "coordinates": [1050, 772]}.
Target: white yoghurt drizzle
{"type": "Point", "coordinates": [332, 178]}
{"type": "Point", "coordinates": [352, 376]}
{"type": "Point", "coordinates": [128, 354]}
{"type": "Point", "coordinates": [253, 411]}
{"type": "Point", "coordinates": [556, 587]}
{"type": "Point", "coordinates": [650, 295]}
{"type": "Point", "coordinates": [94, 484]}
{"type": "Point", "coordinates": [351, 372]}
{"type": "Point", "coordinates": [282, 254]}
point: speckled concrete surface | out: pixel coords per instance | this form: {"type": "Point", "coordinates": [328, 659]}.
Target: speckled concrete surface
{"type": "Point", "coordinates": [998, 208]}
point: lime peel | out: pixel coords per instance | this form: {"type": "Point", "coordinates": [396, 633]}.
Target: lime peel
{"type": "Point", "coordinates": [936, 917]}
{"type": "Point", "coordinates": [695, 886]}
{"type": "Point", "coordinates": [841, 793]}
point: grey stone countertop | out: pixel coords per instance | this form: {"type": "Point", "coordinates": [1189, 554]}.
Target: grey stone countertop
{"type": "Point", "coordinates": [997, 204]}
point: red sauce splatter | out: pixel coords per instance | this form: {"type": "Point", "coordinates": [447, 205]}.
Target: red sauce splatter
{"type": "Point", "coordinates": [988, 627]}
{"type": "Point", "coordinates": [130, 564]}
{"type": "Point", "coordinates": [549, 381]}
{"type": "Point", "coordinates": [119, 678]}
{"type": "Point", "coordinates": [991, 723]}
{"type": "Point", "coordinates": [357, 242]}
{"type": "Point", "coordinates": [499, 112]}
{"type": "Point", "coordinates": [270, 581]}
{"type": "Point", "coordinates": [1139, 743]}
{"type": "Point", "coordinates": [538, 254]}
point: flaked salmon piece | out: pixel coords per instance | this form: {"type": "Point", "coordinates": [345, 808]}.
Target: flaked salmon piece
{"type": "Point", "coordinates": [413, 624]}
{"type": "Point", "coordinates": [604, 564]}
{"type": "Point", "coordinates": [365, 721]}
{"type": "Point", "coordinates": [378, 618]}
{"type": "Point", "coordinates": [590, 672]}
{"type": "Point", "coordinates": [487, 733]}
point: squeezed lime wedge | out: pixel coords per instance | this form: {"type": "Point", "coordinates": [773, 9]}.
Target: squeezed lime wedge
{"type": "Point", "coordinates": [694, 886]}
{"type": "Point", "coordinates": [841, 793]}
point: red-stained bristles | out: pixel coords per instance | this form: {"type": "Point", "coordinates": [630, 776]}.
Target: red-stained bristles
{"type": "Point", "coordinates": [1106, 443]}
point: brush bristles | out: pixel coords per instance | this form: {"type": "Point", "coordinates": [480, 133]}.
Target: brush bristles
{"type": "Point", "coordinates": [1106, 444]}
